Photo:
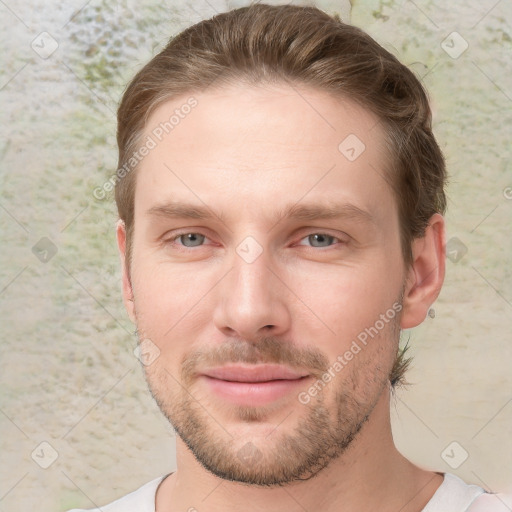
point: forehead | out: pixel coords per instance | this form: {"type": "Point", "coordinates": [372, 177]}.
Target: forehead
{"type": "Point", "coordinates": [263, 146]}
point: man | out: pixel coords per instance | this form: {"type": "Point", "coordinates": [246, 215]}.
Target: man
{"type": "Point", "coordinates": [280, 195]}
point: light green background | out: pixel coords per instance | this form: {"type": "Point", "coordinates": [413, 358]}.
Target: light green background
{"type": "Point", "coordinates": [69, 376]}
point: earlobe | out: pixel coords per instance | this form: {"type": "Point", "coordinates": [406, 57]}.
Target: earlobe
{"type": "Point", "coordinates": [125, 271]}
{"type": "Point", "coordinates": [426, 274]}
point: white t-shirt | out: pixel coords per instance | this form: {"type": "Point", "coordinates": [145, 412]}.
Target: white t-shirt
{"type": "Point", "coordinates": [453, 495]}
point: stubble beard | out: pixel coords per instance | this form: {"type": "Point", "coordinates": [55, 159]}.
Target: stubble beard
{"type": "Point", "coordinates": [322, 433]}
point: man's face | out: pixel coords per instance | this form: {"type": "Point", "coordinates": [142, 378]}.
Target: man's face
{"type": "Point", "coordinates": [254, 303]}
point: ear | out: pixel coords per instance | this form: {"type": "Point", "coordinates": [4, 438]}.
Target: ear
{"type": "Point", "coordinates": [125, 271]}
{"type": "Point", "coordinates": [425, 276]}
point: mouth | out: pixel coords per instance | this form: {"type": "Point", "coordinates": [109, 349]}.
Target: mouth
{"type": "Point", "coordinates": [253, 385]}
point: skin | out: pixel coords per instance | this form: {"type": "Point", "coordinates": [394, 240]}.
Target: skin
{"type": "Point", "coordinates": [308, 295]}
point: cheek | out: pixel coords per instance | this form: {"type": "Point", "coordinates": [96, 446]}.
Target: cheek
{"type": "Point", "coordinates": [349, 300]}
{"type": "Point", "coordinates": [363, 334]}
{"type": "Point", "coordinates": [169, 303]}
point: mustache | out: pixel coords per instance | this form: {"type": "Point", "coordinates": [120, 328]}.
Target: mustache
{"type": "Point", "coordinates": [266, 350]}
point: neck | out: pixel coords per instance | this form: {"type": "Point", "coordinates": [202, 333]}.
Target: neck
{"type": "Point", "coordinates": [370, 475]}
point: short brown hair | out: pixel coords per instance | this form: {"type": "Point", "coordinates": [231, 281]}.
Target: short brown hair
{"type": "Point", "coordinates": [303, 46]}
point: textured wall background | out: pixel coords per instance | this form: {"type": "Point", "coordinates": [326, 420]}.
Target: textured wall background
{"type": "Point", "coordinates": [70, 379]}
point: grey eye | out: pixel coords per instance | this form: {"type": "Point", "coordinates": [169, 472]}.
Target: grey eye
{"type": "Point", "coordinates": [191, 239]}
{"type": "Point", "coordinates": [321, 239]}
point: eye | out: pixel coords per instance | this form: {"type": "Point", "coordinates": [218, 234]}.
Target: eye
{"type": "Point", "coordinates": [189, 239]}
{"type": "Point", "coordinates": [322, 239]}
{"type": "Point", "coordinates": [193, 239]}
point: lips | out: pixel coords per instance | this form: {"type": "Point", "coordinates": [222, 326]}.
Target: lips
{"type": "Point", "coordinates": [254, 373]}
{"type": "Point", "coordinates": [253, 385]}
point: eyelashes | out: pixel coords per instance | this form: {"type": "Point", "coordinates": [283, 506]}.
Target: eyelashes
{"type": "Point", "coordinates": [176, 237]}
{"type": "Point", "coordinates": [197, 239]}
{"type": "Point", "coordinates": [322, 235]}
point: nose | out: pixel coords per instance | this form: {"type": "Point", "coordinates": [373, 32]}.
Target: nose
{"type": "Point", "coordinates": [252, 301]}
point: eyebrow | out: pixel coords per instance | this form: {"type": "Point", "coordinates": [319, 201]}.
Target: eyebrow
{"type": "Point", "coordinates": [314, 211]}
